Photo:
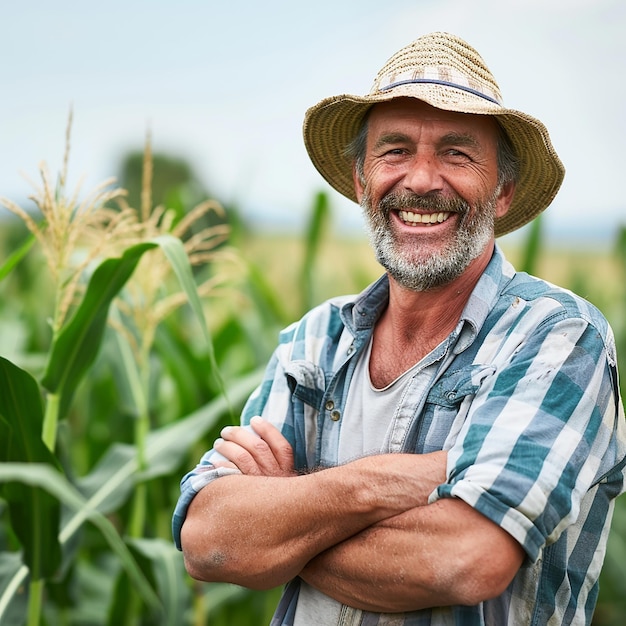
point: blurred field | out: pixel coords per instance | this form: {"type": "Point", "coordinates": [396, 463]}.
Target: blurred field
{"type": "Point", "coordinates": [344, 265]}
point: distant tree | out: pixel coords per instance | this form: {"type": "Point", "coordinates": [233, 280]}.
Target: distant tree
{"type": "Point", "coordinates": [174, 185]}
{"type": "Point", "coordinates": [170, 174]}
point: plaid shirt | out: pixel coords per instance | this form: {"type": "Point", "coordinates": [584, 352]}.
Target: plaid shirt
{"type": "Point", "coordinates": [523, 395]}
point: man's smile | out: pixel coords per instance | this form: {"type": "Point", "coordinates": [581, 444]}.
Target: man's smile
{"type": "Point", "coordinates": [410, 217]}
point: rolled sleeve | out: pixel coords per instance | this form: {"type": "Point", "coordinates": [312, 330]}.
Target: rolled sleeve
{"type": "Point", "coordinates": [203, 474]}
{"type": "Point", "coordinates": [538, 434]}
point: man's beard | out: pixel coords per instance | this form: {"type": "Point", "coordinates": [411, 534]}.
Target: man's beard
{"type": "Point", "coordinates": [421, 272]}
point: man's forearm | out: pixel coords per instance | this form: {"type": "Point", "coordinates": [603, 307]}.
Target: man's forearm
{"type": "Point", "coordinates": [435, 555]}
{"type": "Point", "coordinates": [260, 531]}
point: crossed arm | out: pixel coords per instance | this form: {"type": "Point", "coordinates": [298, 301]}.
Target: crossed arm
{"type": "Point", "coordinates": [363, 533]}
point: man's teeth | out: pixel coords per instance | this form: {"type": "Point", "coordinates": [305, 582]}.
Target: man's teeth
{"type": "Point", "coordinates": [423, 218]}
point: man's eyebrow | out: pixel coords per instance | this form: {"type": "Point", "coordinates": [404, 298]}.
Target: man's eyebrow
{"type": "Point", "coordinates": [459, 139]}
{"type": "Point", "coordinates": [391, 138]}
{"type": "Point", "coordinates": [466, 140]}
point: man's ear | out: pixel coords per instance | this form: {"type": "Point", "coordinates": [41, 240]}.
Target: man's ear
{"type": "Point", "coordinates": [503, 202]}
{"type": "Point", "coordinates": [358, 183]}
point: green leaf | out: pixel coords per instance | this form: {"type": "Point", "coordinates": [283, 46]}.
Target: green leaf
{"type": "Point", "coordinates": [620, 245]}
{"type": "Point", "coordinates": [222, 593]}
{"type": "Point", "coordinates": [167, 447]}
{"type": "Point", "coordinates": [62, 490]}
{"type": "Point", "coordinates": [266, 300]}
{"type": "Point", "coordinates": [111, 482]}
{"type": "Point", "coordinates": [320, 216]}
{"type": "Point", "coordinates": [15, 257]}
{"type": "Point", "coordinates": [186, 371]}
{"type": "Point", "coordinates": [76, 346]}
{"type": "Point", "coordinates": [104, 486]}
{"type": "Point", "coordinates": [532, 248]}
{"type": "Point", "coordinates": [34, 513]}
{"type": "Point", "coordinates": [166, 565]}
{"type": "Point", "coordinates": [12, 573]}
{"type": "Point", "coordinates": [174, 250]}
{"type": "Point", "coordinates": [22, 409]}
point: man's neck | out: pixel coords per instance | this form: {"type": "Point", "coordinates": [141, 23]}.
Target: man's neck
{"type": "Point", "coordinates": [434, 311]}
{"type": "Point", "coordinates": [415, 322]}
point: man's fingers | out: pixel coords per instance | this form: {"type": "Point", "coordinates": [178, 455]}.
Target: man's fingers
{"type": "Point", "coordinates": [280, 447]}
{"type": "Point", "coordinates": [226, 464]}
{"type": "Point", "coordinates": [258, 449]}
{"type": "Point", "coordinates": [239, 456]}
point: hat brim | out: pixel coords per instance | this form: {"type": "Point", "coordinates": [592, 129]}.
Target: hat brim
{"type": "Point", "coordinates": [332, 124]}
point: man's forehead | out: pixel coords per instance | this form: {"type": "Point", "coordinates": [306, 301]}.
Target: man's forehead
{"type": "Point", "coordinates": [386, 114]}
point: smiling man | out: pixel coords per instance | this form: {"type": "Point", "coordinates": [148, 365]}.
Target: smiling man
{"type": "Point", "coordinates": [436, 173]}
{"type": "Point", "coordinates": [445, 447]}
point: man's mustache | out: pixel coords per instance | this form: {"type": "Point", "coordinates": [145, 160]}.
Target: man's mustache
{"type": "Point", "coordinates": [435, 203]}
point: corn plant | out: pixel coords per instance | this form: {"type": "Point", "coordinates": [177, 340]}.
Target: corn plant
{"type": "Point", "coordinates": [106, 265]}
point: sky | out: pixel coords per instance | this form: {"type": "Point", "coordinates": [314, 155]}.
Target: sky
{"type": "Point", "coordinates": [226, 84]}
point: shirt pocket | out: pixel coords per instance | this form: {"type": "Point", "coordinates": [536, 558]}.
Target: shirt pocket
{"type": "Point", "coordinates": [306, 382]}
{"type": "Point", "coordinates": [447, 404]}
{"type": "Point", "coordinates": [307, 385]}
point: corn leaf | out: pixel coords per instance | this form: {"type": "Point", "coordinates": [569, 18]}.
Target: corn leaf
{"type": "Point", "coordinates": [77, 345]}
{"type": "Point", "coordinates": [57, 485]}
{"type": "Point", "coordinates": [75, 348]}
{"type": "Point", "coordinates": [13, 602]}
{"type": "Point", "coordinates": [532, 248]}
{"type": "Point", "coordinates": [174, 250]}
{"type": "Point", "coordinates": [15, 257]}
{"type": "Point", "coordinates": [34, 513]}
{"type": "Point", "coordinates": [165, 564]}
{"type": "Point", "coordinates": [111, 482]}
{"type": "Point", "coordinates": [320, 216]}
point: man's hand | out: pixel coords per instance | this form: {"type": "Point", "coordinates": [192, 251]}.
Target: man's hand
{"type": "Point", "coordinates": [257, 451]}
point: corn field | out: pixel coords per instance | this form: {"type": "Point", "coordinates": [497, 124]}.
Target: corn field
{"type": "Point", "coordinates": [129, 336]}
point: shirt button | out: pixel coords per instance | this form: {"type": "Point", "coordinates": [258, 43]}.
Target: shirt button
{"type": "Point", "coordinates": [330, 405]}
{"type": "Point", "coordinates": [335, 415]}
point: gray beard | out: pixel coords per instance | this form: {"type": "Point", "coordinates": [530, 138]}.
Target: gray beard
{"type": "Point", "coordinates": [422, 273]}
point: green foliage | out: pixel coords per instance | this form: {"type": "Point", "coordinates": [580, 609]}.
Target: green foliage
{"type": "Point", "coordinates": [21, 422]}
{"type": "Point", "coordinates": [39, 477]}
{"type": "Point", "coordinates": [532, 248]}
{"type": "Point", "coordinates": [15, 257]}
{"type": "Point", "coordinates": [318, 226]}
{"type": "Point", "coordinates": [77, 345]}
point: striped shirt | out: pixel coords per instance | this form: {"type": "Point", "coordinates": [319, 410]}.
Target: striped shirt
{"type": "Point", "coordinates": [523, 395]}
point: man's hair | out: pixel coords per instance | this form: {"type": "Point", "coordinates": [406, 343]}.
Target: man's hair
{"type": "Point", "coordinates": [508, 161]}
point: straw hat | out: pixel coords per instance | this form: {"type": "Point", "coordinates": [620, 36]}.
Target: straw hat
{"type": "Point", "coordinates": [445, 72]}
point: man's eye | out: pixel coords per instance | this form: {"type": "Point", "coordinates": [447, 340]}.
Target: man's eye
{"type": "Point", "coordinates": [457, 154]}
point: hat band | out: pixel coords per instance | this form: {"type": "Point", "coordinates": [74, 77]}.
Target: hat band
{"type": "Point", "coordinates": [432, 81]}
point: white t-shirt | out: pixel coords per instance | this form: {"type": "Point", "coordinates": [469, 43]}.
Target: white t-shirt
{"type": "Point", "coordinates": [366, 419]}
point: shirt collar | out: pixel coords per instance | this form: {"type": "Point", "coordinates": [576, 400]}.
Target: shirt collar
{"type": "Point", "coordinates": [497, 275]}
{"type": "Point", "coordinates": [362, 312]}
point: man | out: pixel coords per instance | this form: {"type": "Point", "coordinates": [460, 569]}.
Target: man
{"type": "Point", "coordinates": [446, 447]}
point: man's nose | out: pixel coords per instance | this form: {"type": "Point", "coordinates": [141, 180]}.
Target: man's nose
{"type": "Point", "coordinates": [423, 175]}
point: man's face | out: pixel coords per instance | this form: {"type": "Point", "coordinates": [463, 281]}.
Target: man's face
{"type": "Point", "coordinates": [429, 190]}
